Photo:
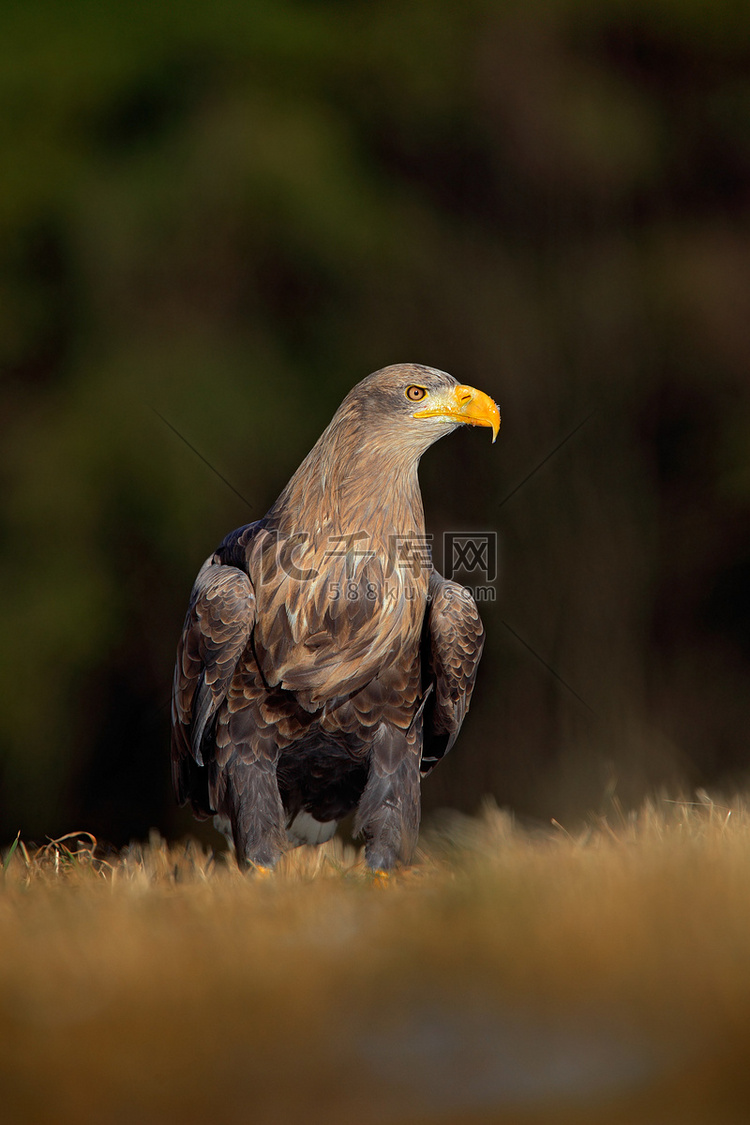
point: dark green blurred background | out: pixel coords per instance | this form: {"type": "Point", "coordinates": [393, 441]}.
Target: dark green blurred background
{"type": "Point", "coordinates": [229, 213]}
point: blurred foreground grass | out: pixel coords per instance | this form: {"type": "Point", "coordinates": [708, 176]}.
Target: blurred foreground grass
{"type": "Point", "coordinates": [508, 976]}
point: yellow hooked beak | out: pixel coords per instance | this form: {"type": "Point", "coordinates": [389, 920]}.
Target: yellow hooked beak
{"type": "Point", "coordinates": [464, 405]}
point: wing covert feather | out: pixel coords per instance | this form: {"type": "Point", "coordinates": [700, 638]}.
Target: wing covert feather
{"type": "Point", "coordinates": [217, 629]}
{"type": "Point", "coordinates": [452, 640]}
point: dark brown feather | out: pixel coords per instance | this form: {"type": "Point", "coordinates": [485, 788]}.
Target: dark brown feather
{"type": "Point", "coordinates": [452, 648]}
{"type": "Point", "coordinates": [217, 629]}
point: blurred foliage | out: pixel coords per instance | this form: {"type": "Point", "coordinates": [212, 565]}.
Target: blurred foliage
{"type": "Point", "coordinates": [227, 214]}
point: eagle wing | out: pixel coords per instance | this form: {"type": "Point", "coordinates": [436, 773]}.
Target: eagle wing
{"type": "Point", "coordinates": [217, 630]}
{"type": "Point", "coordinates": [452, 643]}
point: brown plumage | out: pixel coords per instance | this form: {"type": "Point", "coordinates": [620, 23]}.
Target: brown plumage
{"type": "Point", "coordinates": [323, 660]}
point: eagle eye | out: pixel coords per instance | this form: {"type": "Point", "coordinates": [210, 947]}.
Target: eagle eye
{"type": "Point", "coordinates": [416, 394]}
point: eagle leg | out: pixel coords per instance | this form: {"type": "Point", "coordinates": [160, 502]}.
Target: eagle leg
{"type": "Point", "coordinates": [249, 797]}
{"type": "Point", "coordinates": [389, 809]}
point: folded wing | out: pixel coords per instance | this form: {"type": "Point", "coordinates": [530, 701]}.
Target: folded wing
{"type": "Point", "coordinates": [216, 632]}
{"type": "Point", "coordinates": [452, 643]}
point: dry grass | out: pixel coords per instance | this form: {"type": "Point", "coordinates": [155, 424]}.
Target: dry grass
{"type": "Point", "coordinates": [509, 976]}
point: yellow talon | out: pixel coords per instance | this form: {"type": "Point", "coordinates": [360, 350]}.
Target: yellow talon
{"type": "Point", "coordinates": [380, 878]}
{"type": "Point", "coordinates": [261, 872]}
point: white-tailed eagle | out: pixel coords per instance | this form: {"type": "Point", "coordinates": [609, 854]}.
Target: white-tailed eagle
{"type": "Point", "coordinates": [324, 663]}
